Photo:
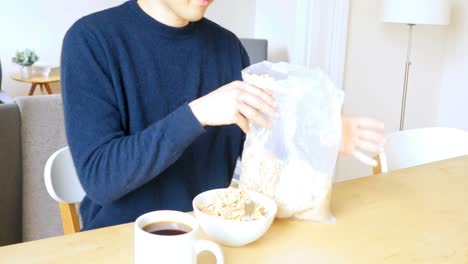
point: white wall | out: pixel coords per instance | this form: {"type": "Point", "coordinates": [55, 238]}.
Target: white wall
{"type": "Point", "coordinates": [41, 26]}
{"type": "Point", "coordinates": [453, 105]}
{"type": "Point", "coordinates": [265, 19]}
{"type": "Point", "coordinates": [272, 20]}
{"type": "Point", "coordinates": [374, 65]}
{"type": "Point", "coordinates": [376, 55]}
{"type": "Point", "coordinates": [275, 21]}
{"type": "Point", "coordinates": [236, 15]}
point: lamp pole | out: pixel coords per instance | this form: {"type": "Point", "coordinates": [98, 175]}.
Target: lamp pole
{"type": "Point", "coordinates": [405, 83]}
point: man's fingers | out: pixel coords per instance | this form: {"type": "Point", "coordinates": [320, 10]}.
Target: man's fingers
{"type": "Point", "coordinates": [370, 123]}
{"type": "Point", "coordinates": [243, 123]}
{"type": "Point", "coordinates": [369, 146]}
{"type": "Point", "coordinates": [257, 103]}
{"type": "Point", "coordinates": [267, 97]}
{"type": "Point", "coordinates": [364, 158]}
{"type": "Point", "coordinates": [369, 135]}
{"type": "Point", "coordinates": [267, 91]}
{"type": "Point", "coordinates": [253, 115]}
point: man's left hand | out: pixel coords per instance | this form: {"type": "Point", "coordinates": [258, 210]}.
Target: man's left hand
{"type": "Point", "coordinates": [362, 134]}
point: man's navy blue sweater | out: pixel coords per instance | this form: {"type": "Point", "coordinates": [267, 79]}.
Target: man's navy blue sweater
{"type": "Point", "coordinates": [126, 81]}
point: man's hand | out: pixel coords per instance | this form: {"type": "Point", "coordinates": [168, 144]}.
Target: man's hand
{"type": "Point", "coordinates": [362, 134]}
{"type": "Point", "coordinates": [235, 103]}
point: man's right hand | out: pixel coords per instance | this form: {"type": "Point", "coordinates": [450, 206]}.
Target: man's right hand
{"type": "Point", "coordinates": [235, 103]}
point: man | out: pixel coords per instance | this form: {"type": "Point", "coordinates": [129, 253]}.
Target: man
{"type": "Point", "coordinates": [154, 109]}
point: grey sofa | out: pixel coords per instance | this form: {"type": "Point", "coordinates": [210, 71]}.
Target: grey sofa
{"type": "Point", "coordinates": [10, 175]}
{"type": "Point", "coordinates": [31, 129]}
{"type": "Point", "coordinates": [256, 48]}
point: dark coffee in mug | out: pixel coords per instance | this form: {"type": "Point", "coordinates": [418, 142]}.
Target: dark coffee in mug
{"type": "Point", "coordinates": [175, 237]}
{"type": "Point", "coordinates": [167, 228]}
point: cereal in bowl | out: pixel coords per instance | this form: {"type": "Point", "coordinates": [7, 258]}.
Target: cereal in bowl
{"type": "Point", "coordinates": [233, 204]}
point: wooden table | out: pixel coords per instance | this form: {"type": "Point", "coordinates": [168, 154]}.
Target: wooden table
{"type": "Point", "coordinates": [416, 215]}
{"type": "Point", "coordinates": [36, 80]}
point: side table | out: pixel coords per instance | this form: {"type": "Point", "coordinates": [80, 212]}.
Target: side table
{"type": "Point", "coordinates": [36, 80]}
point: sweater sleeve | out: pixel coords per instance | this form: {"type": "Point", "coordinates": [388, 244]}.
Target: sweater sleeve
{"type": "Point", "coordinates": [244, 56]}
{"type": "Point", "coordinates": [109, 163]}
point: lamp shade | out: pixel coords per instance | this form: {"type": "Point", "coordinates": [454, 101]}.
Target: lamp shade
{"type": "Point", "coordinates": [431, 12]}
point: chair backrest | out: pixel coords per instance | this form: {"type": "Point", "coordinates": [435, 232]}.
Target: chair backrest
{"type": "Point", "coordinates": [63, 185]}
{"type": "Point", "coordinates": [419, 146]}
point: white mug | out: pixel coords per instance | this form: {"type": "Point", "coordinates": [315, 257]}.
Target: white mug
{"type": "Point", "coordinates": [160, 248]}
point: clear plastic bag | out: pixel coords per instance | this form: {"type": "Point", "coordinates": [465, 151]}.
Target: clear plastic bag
{"type": "Point", "coordinates": [294, 162]}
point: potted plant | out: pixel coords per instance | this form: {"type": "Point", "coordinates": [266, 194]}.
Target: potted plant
{"type": "Point", "coordinates": [25, 59]}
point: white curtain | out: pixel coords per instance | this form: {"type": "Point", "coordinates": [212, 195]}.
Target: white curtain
{"type": "Point", "coordinates": [318, 35]}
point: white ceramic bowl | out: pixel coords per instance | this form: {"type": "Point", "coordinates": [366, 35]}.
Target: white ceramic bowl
{"type": "Point", "coordinates": [233, 233]}
{"type": "Point", "coordinates": [43, 70]}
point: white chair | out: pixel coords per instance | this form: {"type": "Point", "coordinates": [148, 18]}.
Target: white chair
{"type": "Point", "coordinates": [63, 185]}
{"type": "Point", "coordinates": [414, 147]}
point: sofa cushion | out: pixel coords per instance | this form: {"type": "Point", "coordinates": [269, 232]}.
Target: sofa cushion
{"type": "Point", "coordinates": [42, 133]}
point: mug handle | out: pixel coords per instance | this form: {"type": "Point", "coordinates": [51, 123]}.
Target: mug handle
{"type": "Point", "coordinates": [205, 245]}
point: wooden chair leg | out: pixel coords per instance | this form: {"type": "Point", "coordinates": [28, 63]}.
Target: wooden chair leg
{"type": "Point", "coordinates": [47, 86]}
{"type": "Point", "coordinates": [377, 169]}
{"type": "Point", "coordinates": [32, 89]}
{"type": "Point", "coordinates": [70, 220]}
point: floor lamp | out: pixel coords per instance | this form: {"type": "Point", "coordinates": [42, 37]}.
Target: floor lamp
{"type": "Point", "coordinates": [411, 13]}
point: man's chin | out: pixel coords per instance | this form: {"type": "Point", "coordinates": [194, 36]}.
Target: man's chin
{"type": "Point", "coordinates": [195, 19]}
{"type": "Point", "coordinates": [197, 15]}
